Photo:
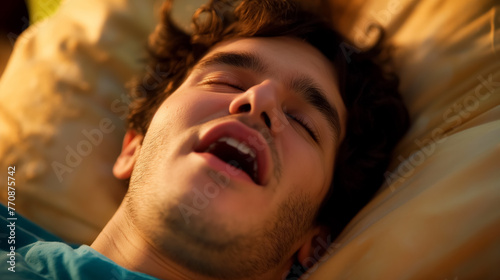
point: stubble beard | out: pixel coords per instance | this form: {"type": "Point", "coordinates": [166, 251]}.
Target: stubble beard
{"type": "Point", "coordinates": [211, 248]}
{"type": "Point", "coordinates": [206, 245]}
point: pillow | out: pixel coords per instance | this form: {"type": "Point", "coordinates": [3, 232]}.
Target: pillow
{"type": "Point", "coordinates": [62, 111]}
{"type": "Point", "coordinates": [437, 216]}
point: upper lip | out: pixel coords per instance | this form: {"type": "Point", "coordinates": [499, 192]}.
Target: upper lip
{"type": "Point", "coordinates": [242, 133]}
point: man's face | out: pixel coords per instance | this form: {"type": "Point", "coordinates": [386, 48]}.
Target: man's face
{"type": "Point", "coordinates": [269, 106]}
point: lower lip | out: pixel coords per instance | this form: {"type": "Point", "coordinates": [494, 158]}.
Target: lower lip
{"type": "Point", "coordinates": [225, 169]}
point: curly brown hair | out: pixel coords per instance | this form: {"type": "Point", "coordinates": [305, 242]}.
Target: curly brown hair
{"type": "Point", "coordinates": [377, 117]}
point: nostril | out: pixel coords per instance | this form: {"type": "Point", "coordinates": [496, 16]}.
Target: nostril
{"type": "Point", "coordinates": [266, 119]}
{"type": "Point", "coordinates": [244, 108]}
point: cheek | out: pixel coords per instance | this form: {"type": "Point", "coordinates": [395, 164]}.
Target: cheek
{"type": "Point", "coordinates": [304, 167]}
{"type": "Point", "coordinates": [193, 107]}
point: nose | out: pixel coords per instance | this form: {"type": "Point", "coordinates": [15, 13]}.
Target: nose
{"type": "Point", "coordinates": [260, 101]}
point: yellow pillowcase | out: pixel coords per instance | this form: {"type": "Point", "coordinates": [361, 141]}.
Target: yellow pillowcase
{"type": "Point", "coordinates": [438, 215]}
{"type": "Point", "coordinates": [62, 111]}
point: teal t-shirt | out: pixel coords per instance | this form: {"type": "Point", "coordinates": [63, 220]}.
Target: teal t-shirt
{"type": "Point", "coordinates": [38, 254]}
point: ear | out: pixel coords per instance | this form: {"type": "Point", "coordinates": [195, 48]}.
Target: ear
{"type": "Point", "coordinates": [125, 162]}
{"type": "Point", "coordinates": [315, 246]}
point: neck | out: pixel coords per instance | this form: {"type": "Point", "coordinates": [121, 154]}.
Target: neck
{"type": "Point", "coordinates": [122, 242]}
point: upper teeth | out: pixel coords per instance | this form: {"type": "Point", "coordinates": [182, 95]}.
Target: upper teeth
{"type": "Point", "coordinates": [242, 147]}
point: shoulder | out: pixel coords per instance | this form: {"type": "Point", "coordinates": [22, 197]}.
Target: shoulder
{"type": "Point", "coordinates": [58, 260]}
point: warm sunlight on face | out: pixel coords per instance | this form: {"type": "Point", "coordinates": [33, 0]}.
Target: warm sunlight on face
{"type": "Point", "coordinates": [238, 159]}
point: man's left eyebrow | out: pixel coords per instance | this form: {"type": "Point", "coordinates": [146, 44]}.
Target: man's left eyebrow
{"type": "Point", "coordinates": [316, 97]}
{"type": "Point", "coordinates": [245, 60]}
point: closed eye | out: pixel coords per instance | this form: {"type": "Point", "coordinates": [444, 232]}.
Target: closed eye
{"type": "Point", "coordinates": [304, 124]}
{"type": "Point", "coordinates": [217, 84]}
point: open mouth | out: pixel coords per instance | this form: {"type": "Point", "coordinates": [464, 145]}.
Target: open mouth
{"type": "Point", "coordinates": [239, 146]}
{"type": "Point", "coordinates": [237, 154]}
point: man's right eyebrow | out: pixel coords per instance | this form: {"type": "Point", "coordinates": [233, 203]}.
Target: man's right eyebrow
{"type": "Point", "coordinates": [243, 60]}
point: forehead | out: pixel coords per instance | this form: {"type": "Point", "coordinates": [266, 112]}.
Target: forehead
{"type": "Point", "coordinates": [278, 53]}
{"type": "Point", "coordinates": [286, 58]}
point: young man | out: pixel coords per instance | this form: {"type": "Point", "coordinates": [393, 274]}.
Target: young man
{"type": "Point", "coordinates": [265, 137]}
